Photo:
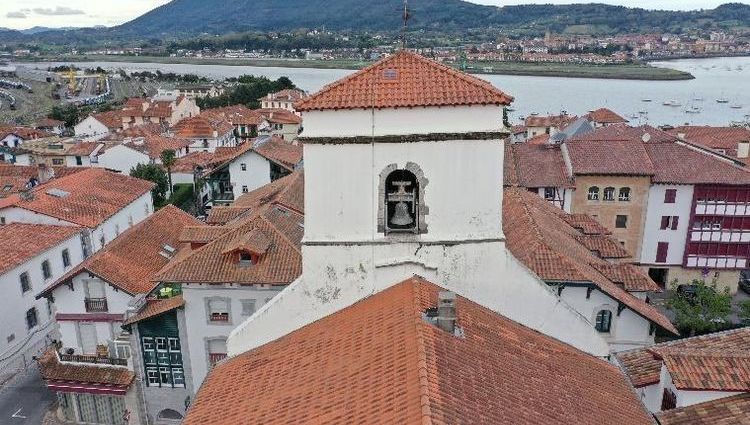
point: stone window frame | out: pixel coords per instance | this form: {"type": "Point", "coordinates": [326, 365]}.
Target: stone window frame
{"type": "Point", "coordinates": [423, 209]}
{"type": "Point", "coordinates": [207, 312]}
{"type": "Point", "coordinates": [207, 344]}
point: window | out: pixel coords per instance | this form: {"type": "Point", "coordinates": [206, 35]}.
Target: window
{"type": "Point", "coordinates": [609, 194]}
{"type": "Point", "coordinates": [593, 193]}
{"type": "Point", "coordinates": [153, 376]}
{"type": "Point", "coordinates": [79, 160]}
{"type": "Point", "coordinates": [668, 400]}
{"type": "Point", "coordinates": [57, 161]}
{"type": "Point", "coordinates": [549, 193]}
{"type": "Point", "coordinates": [244, 189]}
{"type": "Point", "coordinates": [670, 196]}
{"type": "Point", "coordinates": [10, 338]}
{"type": "Point", "coordinates": [66, 258]}
{"type": "Point", "coordinates": [243, 166]}
{"type": "Point", "coordinates": [178, 377]}
{"type": "Point", "coordinates": [117, 229]}
{"type": "Point", "coordinates": [401, 202]}
{"type": "Point", "coordinates": [218, 310]}
{"type": "Point", "coordinates": [46, 269]}
{"type": "Point", "coordinates": [165, 376]}
{"type": "Point", "coordinates": [31, 318]}
{"type": "Point", "coordinates": [217, 351]}
{"type": "Point", "coordinates": [662, 248]}
{"type": "Point", "coordinates": [621, 221]}
{"type": "Point", "coordinates": [624, 194]}
{"type": "Point", "coordinates": [25, 282]}
{"type": "Point", "coordinates": [669, 222]}
{"type": "Point", "coordinates": [248, 307]}
{"type": "Point", "coordinates": [2, 220]}
{"type": "Point", "coordinates": [603, 321]}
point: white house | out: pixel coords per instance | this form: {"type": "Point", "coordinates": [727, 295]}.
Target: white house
{"type": "Point", "coordinates": [96, 126]}
{"type": "Point", "coordinates": [206, 132]}
{"type": "Point", "coordinates": [105, 204]}
{"type": "Point", "coordinates": [284, 99]}
{"type": "Point", "coordinates": [141, 150]}
{"type": "Point", "coordinates": [34, 255]}
{"type": "Point", "coordinates": [390, 210]}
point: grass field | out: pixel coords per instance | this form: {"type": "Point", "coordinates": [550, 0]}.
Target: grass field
{"type": "Point", "coordinates": [29, 106]}
{"type": "Point", "coordinates": [616, 71]}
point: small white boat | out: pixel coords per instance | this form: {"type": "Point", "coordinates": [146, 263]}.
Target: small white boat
{"type": "Point", "coordinates": [735, 106]}
{"type": "Point", "coordinates": [646, 100]}
{"type": "Point", "coordinates": [634, 116]}
{"type": "Point", "coordinates": [692, 111]}
{"type": "Point", "coordinates": [671, 103]}
{"type": "Point", "coordinates": [722, 100]}
{"type": "Point", "coordinates": [643, 112]}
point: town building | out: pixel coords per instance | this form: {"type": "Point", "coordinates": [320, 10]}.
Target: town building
{"type": "Point", "coordinates": [103, 203]}
{"type": "Point", "coordinates": [147, 149]}
{"type": "Point", "coordinates": [730, 141]}
{"type": "Point", "coordinates": [18, 178]}
{"type": "Point", "coordinates": [91, 302]}
{"type": "Point", "coordinates": [282, 123]}
{"type": "Point", "coordinates": [603, 117]}
{"type": "Point", "coordinates": [191, 91]}
{"type": "Point", "coordinates": [96, 126]}
{"type": "Point", "coordinates": [537, 125]}
{"type": "Point", "coordinates": [247, 123]}
{"type": "Point", "coordinates": [416, 353]}
{"type": "Point", "coordinates": [33, 256]}
{"type": "Point", "coordinates": [166, 112]}
{"type": "Point", "coordinates": [698, 380]}
{"type": "Point", "coordinates": [206, 132]}
{"type": "Point", "coordinates": [284, 99]}
{"type": "Point", "coordinates": [392, 129]}
{"type": "Point", "coordinates": [50, 125]}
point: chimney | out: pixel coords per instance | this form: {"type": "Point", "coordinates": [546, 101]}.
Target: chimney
{"type": "Point", "coordinates": [743, 149]}
{"type": "Point", "coordinates": [446, 319]}
{"type": "Point", "coordinates": [681, 136]}
{"type": "Point", "coordinates": [44, 173]}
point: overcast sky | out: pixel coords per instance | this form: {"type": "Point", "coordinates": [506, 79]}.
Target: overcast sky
{"type": "Point", "coordinates": [21, 14]}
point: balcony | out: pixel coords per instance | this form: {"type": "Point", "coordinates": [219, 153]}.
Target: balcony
{"type": "Point", "coordinates": [719, 236]}
{"type": "Point", "coordinates": [95, 305]}
{"type": "Point", "coordinates": [80, 358]}
{"type": "Point", "coordinates": [716, 262]}
{"type": "Point", "coordinates": [722, 208]}
{"type": "Point", "coordinates": [214, 358]}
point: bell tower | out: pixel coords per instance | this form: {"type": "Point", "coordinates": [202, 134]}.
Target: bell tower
{"type": "Point", "coordinates": [403, 176]}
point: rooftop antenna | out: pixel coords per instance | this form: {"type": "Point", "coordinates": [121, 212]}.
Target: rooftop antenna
{"type": "Point", "coordinates": [406, 16]}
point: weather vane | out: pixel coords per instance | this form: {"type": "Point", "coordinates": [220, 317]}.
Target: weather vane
{"type": "Point", "coordinates": [406, 17]}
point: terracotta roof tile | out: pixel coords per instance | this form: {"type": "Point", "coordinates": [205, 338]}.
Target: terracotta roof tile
{"type": "Point", "coordinates": [279, 151]}
{"type": "Point", "coordinates": [603, 246]}
{"type": "Point", "coordinates": [48, 122]}
{"type": "Point", "coordinates": [380, 362]}
{"type": "Point", "coordinates": [537, 235]}
{"type": "Point", "coordinates": [133, 258]}
{"type": "Point", "coordinates": [286, 95]}
{"type": "Point", "coordinates": [558, 121]}
{"type": "Point", "coordinates": [585, 224]}
{"type": "Point", "coordinates": [13, 177]}
{"type": "Point", "coordinates": [238, 115]}
{"type": "Point", "coordinates": [93, 195]}
{"type": "Point", "coordinates": [642, 366]}
{"type": "Point", "coordinates": [155, 308]}
{"type": "Point", "coordinates": [686, 165]}
{"type": "Point", "coordinates": [723, 139]}
{"type": "Point", "coordinates": [279, 116]}
{"type": "Point", "coordinates": [733, 410]}
{"type": "Point", "coordinates": [708, 369]}
{"type": "Point", "coordinates": [201, 234]}
{"type": "Point", "coordinates": [612, 157]}
{"type": "Point", "coordinates": [203, 126]}
{"type": "Point", "coordinates": [623, 132]}
{"type": "Point", "coordinates": [111, 119]}
{"type": "Point", "coordinates": [629, 276]}
{"type": "Point", "coordinates": [21, 242]}
{"type": "Point", "coordinates": [25, 133]}
{"type": "Point", "coordinates": [405, 79]}
{"type": "Point", "coordinates": [154, 145]}
{"type": "Point", "coordinates": [536, 166]}
{"type": "Point", "coordinates": [605, 116]}
{"type": "Point", "coordinates": [52, 369]}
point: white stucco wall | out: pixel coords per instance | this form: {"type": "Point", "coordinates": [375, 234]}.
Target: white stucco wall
{"type": "Point", "coordinates": [69, 301]}
{"type": "Point", "coordinates": [14, 303]}
{"type": "Point", "coordinates": [70, 161]}
{"type": "Point", "coordinates": [383, 122]}
{"type": "Point", "coordinates": [628, 330]}
{"type": "Point", "coordinates": [256, 174]}
{"type": "Point", "coordinates": [652, 234]}
{"type": "Point", "coordinates": [20, 215]}
{"type": "Point", "coordinates": [201, 329]}
{"type": "Point", "coordinates": [90, 127]}
{"type": "Point", "coordinates": [122, 159]}
{"type": "Point", "coordinates": [136, 211]}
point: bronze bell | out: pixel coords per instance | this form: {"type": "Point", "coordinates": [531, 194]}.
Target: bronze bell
{"type": "Point", "coordinates": [401, 215]}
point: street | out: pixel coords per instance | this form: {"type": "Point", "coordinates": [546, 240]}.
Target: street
{"type": "Point", "coordinates": [25, 399]}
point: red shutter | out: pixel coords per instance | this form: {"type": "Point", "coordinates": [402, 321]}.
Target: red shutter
{"type": "Point", "coordinates": [661, 252]}
{"type": "Point", "coordinates": [675, 222]}
{"type": "Point", "coordinates": [664, 222]}
{"type": "Point", "coordinates": [670, 196]}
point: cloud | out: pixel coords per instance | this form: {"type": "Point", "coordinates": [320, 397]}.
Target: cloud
{"type": "Point", "coordinates": [16, 15]}
{"type": "Point", "coordinates": [58, 11]}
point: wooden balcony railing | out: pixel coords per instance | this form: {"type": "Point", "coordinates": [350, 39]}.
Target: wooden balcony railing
{"type": "Point", "coordinates": [95, 305]}
{"type": "Point", "coordinates": [214, 358]}
{"type": "Point", "coordinates": [80, 358]}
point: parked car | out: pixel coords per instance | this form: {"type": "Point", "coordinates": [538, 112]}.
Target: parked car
{"type": "Point", "coordinates": [744, 284]}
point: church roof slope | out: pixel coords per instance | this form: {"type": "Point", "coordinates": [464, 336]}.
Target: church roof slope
{"type": "Point", "coordinates": [404, 80]}
{"type": "Point", "coordinates": [380, 362]}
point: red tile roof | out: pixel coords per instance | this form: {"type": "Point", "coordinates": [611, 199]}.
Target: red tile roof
{"type": "Point", "coordinates": [613, 157]}
{"type": "Point", "coordinates": [93, 196]}
{"type": "Point", "coordinates": [558, 121]}
{"type": "Point", "coordinates": [154, 145]}
{"type": "Point", "coordinates": [603, 246]}
{"type": "Point", "coordinates": [286, 95]}
{"type": "Point", "coordinates": [380, 362]}
{"type": "Point", "coordinates": [238, 115]}
{"type": "Point", "coordinates": [279, 116]}
{"type": "Point", "coordinates": [111, 119]}
{"type": "Point", "coordinates": [403, 80]}
{"type": "Point", "coordinates": [677, 163]}
{"type": "Point", "coordinates": [629, 276]}
{"type": "Point", "coordinates": [24, 133]}
{"type": "Point", "coordinates": [279, 151]}
{"type": "Point", "coordinates": [52, 369]}
{"type": "Point", "coordinates": [605, 116]}
{"type": "Point", "coordinates": [203, 126]}
{"type": "Point", "coordinates": [642, 366]}
{"type": "Point", "coordinates": [13, 177]}
{"type": "Point", "coordinates": [21, 242]}
{"type": "Point", "coordinates": [49, 123]}
{"type": "Point", "coordinates": [155, 308]}
{"type": "Point", "coordinates": [133, 258]}
{"type": "Point", "coordinates": [538, 235]}
{"type": "Point", "coordinates": [718, 138]}
{"type": "Point", "coordinates": [623, 132]}
{"type": "Point", "coordinates": [277, 229]}
{"type": "Point", "coordinates": [535, 166]}
{"type": "Point", "coordinates": [733, 410]}
{"type": "Point", "coordinates": [84, 148]}
{"type": "Point", "coordinates": [708, 369]}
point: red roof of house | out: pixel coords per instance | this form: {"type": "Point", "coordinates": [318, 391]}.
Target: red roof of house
{"type": "Point", "coordinates": [558, 121]}
{"type": "Point", "coordinates": [52, 369]}
{"type": "Point", "coordinates": [733, 410]}
{"type": "Point", "coordinates": [111, 119]}
{"type": "Point", "coordinates": [155, 308]}
{"type": "Point", "coordinates": [605, 116]}
{"type": "Point", "coordinates": [25, 133]}
{"type": "Point", "coordinates": [538, 235]}
{"type": "Point", "coordinates": [277, 150]}
{"type": "Point", "coordinates": [203, 126]}
{"type": "Point", "coordinates": [380, 361]}
{"type": "Point", "coordinates": [612, 157]}
{"type": "Point", "coordinates": [238, 115]}
{"type": "Point", "coordinates": [716, 138]}
{"type": "Point", "coordinates": [644, 365]}
{"type": "Point", "coordinates": [623, 132]}
{"type": "Point", "coordinates": [154, 145]}
{"type": "Point", "coordinates": [134, 257]}
{"type": "Point", "coordinates": [13, 177]}
{"type": "Point", "coordinates": [708, 369]}
{"type": "Point", "coordinates": [279, 116]}
{"type": "Point", "coordinates": [677, 163]}
{"type": "Point", "coordinates": [86, 198]}
{"type": "Point", "coordinates": [534, 166]}
{"type": "Point", "coordinates": [402, 80]}
{"type": "Point", "coordinates": [287, 95]}
{"type": "Point", "coordinates": [48, 123]}
{"type": "Point", "coordinates": [21, 242]}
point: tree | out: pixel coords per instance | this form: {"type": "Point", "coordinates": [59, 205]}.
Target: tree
{"type": "Point", "coordinates": [703, 310]}
{"type": "Point", "coordinates": [155, 174]}
{"type": "Point", "coordinates": [168, 159]}
{"type": "Point", "coordinates": [744, 312]}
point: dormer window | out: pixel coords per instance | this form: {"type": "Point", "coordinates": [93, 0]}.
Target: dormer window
{"type": "Point", "coordinates": [248, 248]}
{"type": "Point", "coordinates": [402, 202]}
{"type": "Point", "coordinates": [246, 259]}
